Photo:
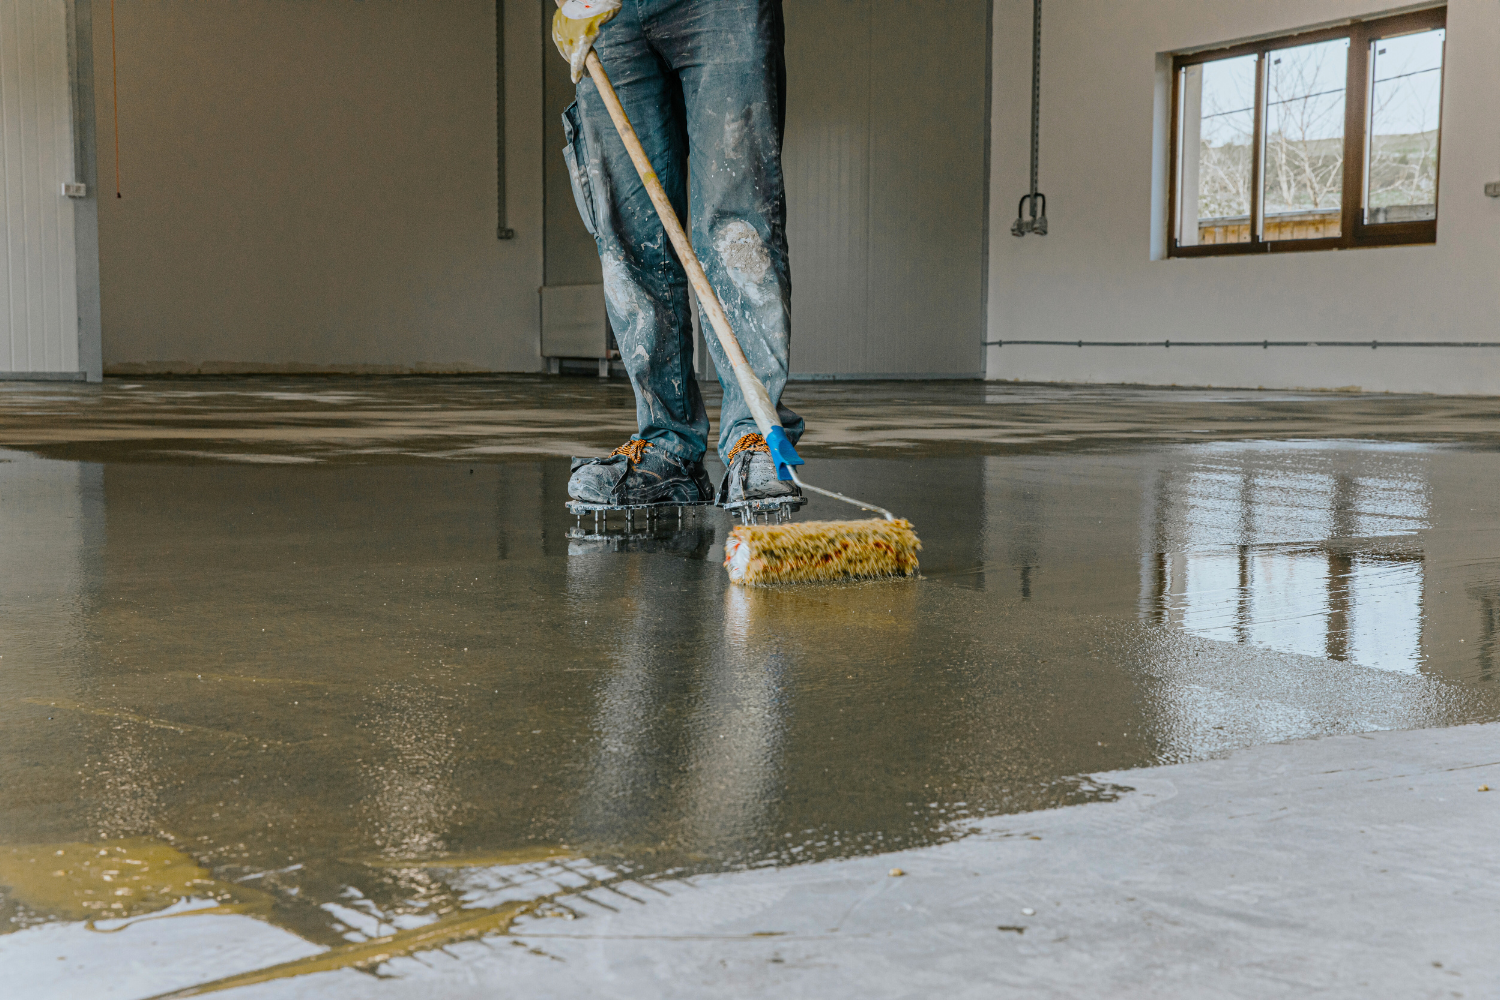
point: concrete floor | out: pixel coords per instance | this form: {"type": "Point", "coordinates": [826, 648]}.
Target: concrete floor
{"type": "Point", "coordinates": [321, 655]}
{"type": "Point", "coordinates": [488, 418]}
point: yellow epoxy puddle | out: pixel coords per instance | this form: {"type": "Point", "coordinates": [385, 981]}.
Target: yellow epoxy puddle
{"type": "Point", "coordinates": [115, 879]}
{"type": "Point", "coordinates": [139, 876]}
{"type": "Point", "coordinates": [466, 925]}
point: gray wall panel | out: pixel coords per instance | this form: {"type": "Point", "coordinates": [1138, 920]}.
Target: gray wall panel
{"type": "Point", "coordinates": [927, 185]}
{"type": "Point", "coordinates": [885, 164]}
{"type": "Point", "coordinates": [826, 162]}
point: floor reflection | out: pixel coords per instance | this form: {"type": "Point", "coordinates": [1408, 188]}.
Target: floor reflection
{"type": "Point", "coordinates": [1381, 555]}
{"type": "Point", "coordinates": [1330, 557]}
{"type": "Point", "coordinates": [1363, 608]}
{"type": "Point", "coordinates": [1325, 562]}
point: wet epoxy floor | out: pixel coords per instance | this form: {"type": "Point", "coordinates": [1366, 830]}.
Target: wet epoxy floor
{"type": "Point", "coordinates": [351, 682]}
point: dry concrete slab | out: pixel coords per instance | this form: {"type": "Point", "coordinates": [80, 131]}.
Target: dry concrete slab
{"type": "Point", "coordinates": [1352, 866]}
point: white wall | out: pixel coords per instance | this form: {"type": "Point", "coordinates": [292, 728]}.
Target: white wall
{"type": "Point", "coordinates": [38, 292]}
{"type": "Point", "coordinates": [1103, 169]}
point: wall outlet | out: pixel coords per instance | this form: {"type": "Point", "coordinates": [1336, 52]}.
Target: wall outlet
{"type": "Point", "coordinates": [1492, 189]}
{"type": "Point", "coordinates": [75, 189]}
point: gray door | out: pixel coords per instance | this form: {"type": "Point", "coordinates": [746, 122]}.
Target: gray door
{"type": "Point", "coordinates": [886, 177]}
{"type": "Point", "coordinates": [38, 264]}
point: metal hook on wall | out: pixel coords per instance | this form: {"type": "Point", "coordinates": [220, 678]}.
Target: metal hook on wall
{"type": "Point", "coordinates": [1037, 220]}
{"type": "Point", "coordinates": [1037, 223]}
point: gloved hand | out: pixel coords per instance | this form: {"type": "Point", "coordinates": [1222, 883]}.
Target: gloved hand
{"type": "Point", "coordinates": [575, 26]}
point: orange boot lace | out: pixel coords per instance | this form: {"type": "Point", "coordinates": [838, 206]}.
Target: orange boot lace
{"type": "Point", "coordinates": [749, 442]}
{"type": "Point", "coordinates": [632, 450]}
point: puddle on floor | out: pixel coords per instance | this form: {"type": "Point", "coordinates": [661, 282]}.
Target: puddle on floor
{"type": "Point", "coordinates": [357, 702]}
{"type": "Point", "coordinates": [116, 879]}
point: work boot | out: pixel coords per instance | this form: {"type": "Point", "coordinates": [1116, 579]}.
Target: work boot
{"type": "Point", "coordinates": [752, 474]}
{"type": "Point", "coordinates": [636, 473]}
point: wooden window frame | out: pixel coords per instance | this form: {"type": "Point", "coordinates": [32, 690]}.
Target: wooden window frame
{"type": "Point", "coordinates": [1354, 231]}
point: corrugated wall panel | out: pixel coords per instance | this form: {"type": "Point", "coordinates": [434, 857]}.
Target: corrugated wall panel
{"type": "Point", "coordinates": [38, 282]}
{"type": "Point", "coordinates": [885, 168]}
{"type": "Point", "coordinates": [927, 170]}
{"type": "Point", "coordinates": [826, 163]}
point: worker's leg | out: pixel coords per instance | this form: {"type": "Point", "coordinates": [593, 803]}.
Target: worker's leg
{"type": "Point", "coordinates": [728, 54]}
{"type": "Point", "coordinates": [645, 287]}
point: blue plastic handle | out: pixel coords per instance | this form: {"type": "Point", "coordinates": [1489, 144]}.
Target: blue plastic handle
{"type": "Point", "coordinates": [782, 453]}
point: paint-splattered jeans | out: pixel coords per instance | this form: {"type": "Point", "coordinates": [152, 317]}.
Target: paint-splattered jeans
{"type": "Point", "coordinates": [703, 82]}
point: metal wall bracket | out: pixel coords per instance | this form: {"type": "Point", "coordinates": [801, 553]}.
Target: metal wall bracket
{"type": "Point", "coordinates": [1037, 222]}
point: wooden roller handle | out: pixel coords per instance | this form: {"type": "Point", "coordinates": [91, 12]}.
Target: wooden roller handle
{"type": "Point", "coordinates": [756, 397]}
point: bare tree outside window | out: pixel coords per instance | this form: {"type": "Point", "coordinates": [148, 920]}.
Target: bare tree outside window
{"type": "Point", "coordinates": [1304, 165]}
{"type": "Point", "coordinates": [1218, 140]}
{"type": "Point", "coordinates": [1227, 138]}
{"type": "Point", "coordinates": [1406, 97]}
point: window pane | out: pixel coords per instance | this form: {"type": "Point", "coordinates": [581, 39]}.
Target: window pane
{"type": "Point", "coordinates": [1406, 94]}
{"type": "Point", "coordinates": [1304, 165]}
{"type": "Point", "coordinates": [1218, 128]}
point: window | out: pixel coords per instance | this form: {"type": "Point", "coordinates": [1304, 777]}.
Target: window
{"type": "Point", "coordinates": [1316, 141]}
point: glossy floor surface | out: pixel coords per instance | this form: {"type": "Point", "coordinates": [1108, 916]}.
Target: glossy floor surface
{"type": "Point", "coordinates": [333, 653]}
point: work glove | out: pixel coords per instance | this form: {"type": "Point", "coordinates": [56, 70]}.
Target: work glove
{"type": "Point", "coordinates": [575, 26]}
